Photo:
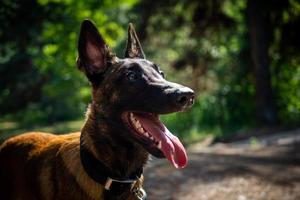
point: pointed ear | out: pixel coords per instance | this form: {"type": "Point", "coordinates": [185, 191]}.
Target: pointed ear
{"type": "Point", "coordinates": [133, 48]}
{"type": "Point", "coordinates": [92, 49]}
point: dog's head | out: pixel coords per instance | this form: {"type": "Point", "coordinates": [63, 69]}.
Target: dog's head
{"type": "Point", "coordinates": [133, 91]}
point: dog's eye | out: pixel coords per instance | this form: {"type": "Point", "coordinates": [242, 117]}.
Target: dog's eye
{"type": "Point", "coordinates": [131, 76]}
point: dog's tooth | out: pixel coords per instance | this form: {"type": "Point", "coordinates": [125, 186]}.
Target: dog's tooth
{"type": "Point", "coordinates": [159, 145]}
{"type": "Point", "coordinates": [132, 118]}
{"type": "Point", "coordinates": [135, 123]}
{"type": "Point", "coordinates": [138, 124]}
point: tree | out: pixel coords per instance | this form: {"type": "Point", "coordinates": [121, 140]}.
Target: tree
{"type": "Point", "coordinates": [260, 38]}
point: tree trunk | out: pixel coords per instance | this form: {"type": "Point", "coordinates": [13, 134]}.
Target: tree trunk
{"type": "Point", "coordinates": [260, 37]}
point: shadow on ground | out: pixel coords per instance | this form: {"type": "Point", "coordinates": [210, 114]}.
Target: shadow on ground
{"type": "Point", "coordinates": [271, 172]}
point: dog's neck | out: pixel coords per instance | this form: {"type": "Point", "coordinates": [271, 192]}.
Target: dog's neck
{"type": "Point", "coordinates": [119, 154]}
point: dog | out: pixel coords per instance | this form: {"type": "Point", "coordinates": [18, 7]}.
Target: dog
{"type": "Point", "coordinates": [106, 159]}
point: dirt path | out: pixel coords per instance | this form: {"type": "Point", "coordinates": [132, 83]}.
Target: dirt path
{"type": "Point", "coordinates": [228, 172]}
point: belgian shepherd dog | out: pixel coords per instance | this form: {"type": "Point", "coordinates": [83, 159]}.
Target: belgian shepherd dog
{"type": "Point", "coordinates": [106, 159]}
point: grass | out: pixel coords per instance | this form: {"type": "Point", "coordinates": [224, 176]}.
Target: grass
{"type": "Point", "coordinates": [8, 128]}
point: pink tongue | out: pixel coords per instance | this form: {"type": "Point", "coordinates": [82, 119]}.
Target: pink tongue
{"type": "Point", "coordinates": [171, 146]}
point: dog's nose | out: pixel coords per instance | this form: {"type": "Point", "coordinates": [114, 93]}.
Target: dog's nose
{"type": "Point", "coordinates": [185, 97]}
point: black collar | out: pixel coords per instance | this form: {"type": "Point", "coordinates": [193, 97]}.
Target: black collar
{"type": "Point", "coordinates": [101, 174]}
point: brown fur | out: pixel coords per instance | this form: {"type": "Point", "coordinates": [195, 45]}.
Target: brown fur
{"type": "Point", "coordinates": [40, 165]}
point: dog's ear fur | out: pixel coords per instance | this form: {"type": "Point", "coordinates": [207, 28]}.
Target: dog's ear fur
{"type": "Point", "coordinates": [92, 50]}
{"type": "Point", "coordinates": [133, 48]}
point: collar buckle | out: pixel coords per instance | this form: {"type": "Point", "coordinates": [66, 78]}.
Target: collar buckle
{"type": "Point", "coordinates": [109, 182]}
{"type": "Point", "coordinates": [139, 193]}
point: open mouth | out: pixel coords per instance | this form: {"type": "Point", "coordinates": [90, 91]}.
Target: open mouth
{"type": "Point", "coordinates": [155, 137]}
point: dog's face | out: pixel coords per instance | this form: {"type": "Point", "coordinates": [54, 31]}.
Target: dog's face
{"type": "Point", "coordinates": [134, 92]}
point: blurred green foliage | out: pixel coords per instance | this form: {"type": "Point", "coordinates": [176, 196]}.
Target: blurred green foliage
{"type": "Point", "coordinates": [40, 80]}
{"type": "Point", "coordinates": [204, 44]}
{"type": "Point", "coordinates": [211, 49]}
